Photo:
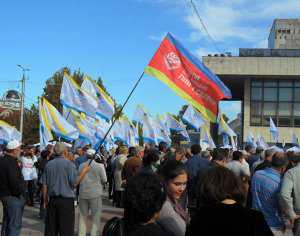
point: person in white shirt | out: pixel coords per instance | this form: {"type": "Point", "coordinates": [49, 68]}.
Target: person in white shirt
{"type": "Point", "coordinates": [29, 173]}
{"type": "Point", "coordinates": [90, 191]}
{"type": "Point", "coordinates": [238, 165]}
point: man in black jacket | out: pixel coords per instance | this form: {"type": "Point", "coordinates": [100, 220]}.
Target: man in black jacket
{"type": "Point", "coordinates": [12, 187]}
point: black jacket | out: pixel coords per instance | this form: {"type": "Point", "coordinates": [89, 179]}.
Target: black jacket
{"type": "Point", "coordinates": [233, 220]}
{"type": "Point", "coordinates": [11, 178]}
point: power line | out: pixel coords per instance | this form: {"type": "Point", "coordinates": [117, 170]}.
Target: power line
{"type": "Point", "coordinates": [204, 27]}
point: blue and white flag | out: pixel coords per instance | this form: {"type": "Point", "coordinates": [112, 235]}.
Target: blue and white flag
{"type": "Point", "coordinates": [173, 124]}
{"type": "Point", "coordinates": [176, 126]}
{"type": "Point", "coordinates": [140, 114]}
{"type": "Point", "coordinates": [72, 96]}
{"type": "Point", "coordinates": [207, 138]}
{"type": "Point", "coordinates": [55, 122]}
{"type": "Point", "coordinates": [250, 139]}
{"type": "Point", "coordinates": [274, 131]}
{"type": "Point", "coordinates": [105, 107]}
{"type": "Point", "coordinates": [295, 139]}
{"type": "Point", "coordinates": [8, 132]}
{"type": "Point", "coordinates": [193, 117]}
{"type": "Point", "coordinates": [223, 127]}
{"type": "Point", "coordinates": [225, 138]}
{"type": "Point", "coordinates": [260, 141]}
{"type": "Point", "coordinates": [149, 131]}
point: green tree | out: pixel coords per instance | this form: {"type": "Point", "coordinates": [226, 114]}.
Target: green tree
{"type": "Point", "coordinates": [31, 125]}
{"type": "Point", "coordinates": [53, 85]}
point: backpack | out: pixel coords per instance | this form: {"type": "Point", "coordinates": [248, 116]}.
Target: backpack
{"type": "Point", "coordinates": [114, 227]}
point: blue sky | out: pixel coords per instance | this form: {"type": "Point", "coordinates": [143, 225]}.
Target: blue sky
{"type": "Point", "coordinates": [116, 39]}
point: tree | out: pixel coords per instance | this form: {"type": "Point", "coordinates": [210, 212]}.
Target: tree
{"type": "Point", "coordinates": [31, 125]}
{"type": "Point", "coordinates": [53, 85]}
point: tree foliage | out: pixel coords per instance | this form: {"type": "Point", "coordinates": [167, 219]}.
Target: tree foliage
{"type": "Point", "coordinates": [52, 94]}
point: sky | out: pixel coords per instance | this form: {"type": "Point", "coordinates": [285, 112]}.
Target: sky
{"type": "Point", "coordinates": [117, 39]}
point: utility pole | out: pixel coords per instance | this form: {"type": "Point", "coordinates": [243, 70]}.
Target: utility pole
{"type": "Point", "coordinates": [22, 98]}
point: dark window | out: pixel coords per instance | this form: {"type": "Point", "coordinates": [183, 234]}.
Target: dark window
{"type": "Point", "coordinates": [256, 108]}
{"type": "Point", "coordinates": [269, 109]}
{"type": "Point", "coordinates": [285, 94]}
{"type": "Point", "coordinates": [297, 94]}
{"type": "Point", "coordinates": [256, 94]}
{"type": "Point", "coordinates": [279, 99]}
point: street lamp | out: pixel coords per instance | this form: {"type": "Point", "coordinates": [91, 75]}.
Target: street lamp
{"type": "Point", "coordinates": [22, 97]}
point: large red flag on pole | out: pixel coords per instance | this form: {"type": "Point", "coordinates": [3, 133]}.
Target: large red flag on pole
{"type": "Point", "coordinates": [188, 77]}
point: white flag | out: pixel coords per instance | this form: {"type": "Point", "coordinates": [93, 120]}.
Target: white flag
{"type": "Point", "coordinates": [105, 104]}
{"type": "Point", "coordinates": [139, 114]}
{"type": "Point", "coordinates": [8, 132]}
{"type": "Point", "coordinates": [274, 131]}
{"type": "Point", "coordinates": [193, 117]}
{"type": "Point", "coordinates": [72, 96]}
{"type": "Point", "coordinates": [223, 127]}
{"type": "Point", "coordinates": [208, 139]}
{"type": "Point", "coordinates": [57, 123]}
{"type": "Point", "coordinates": [295, 139]}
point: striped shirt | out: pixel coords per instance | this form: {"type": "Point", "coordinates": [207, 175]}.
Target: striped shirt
{"type": "Point", "coordinates": [265, 188]}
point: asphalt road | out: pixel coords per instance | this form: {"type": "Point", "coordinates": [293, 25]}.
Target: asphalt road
{"type": "Point", "coordinates": [33, 226]}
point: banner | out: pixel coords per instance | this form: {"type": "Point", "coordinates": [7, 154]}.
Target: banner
{"type": "Point", "coordinates": [188, 77]}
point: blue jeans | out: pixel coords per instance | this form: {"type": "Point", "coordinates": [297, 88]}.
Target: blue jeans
{"type": "Point", "coordinates": [12, 215]}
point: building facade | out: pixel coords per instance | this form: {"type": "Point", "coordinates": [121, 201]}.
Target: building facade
{"type": "Point", "coordinates": [267, 81]}
{"type": "Point", "coordinates": [285, 34]}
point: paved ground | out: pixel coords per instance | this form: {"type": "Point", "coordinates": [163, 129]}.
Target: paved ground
{"type": "Point", "coordinates": [33, 226]}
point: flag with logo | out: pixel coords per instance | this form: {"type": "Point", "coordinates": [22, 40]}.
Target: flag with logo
{"type": "Point", "coordinates": [188, 77]}
{"type": "Point", "coordinates": [105, 107]}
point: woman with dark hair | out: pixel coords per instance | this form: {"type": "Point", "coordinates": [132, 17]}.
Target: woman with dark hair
{"type": "Point", "coordinates": [221, 212]}
{"type": "Point", "coordinates": [150, 161]}
{"type": "Point", "coordinates": [143, 200]}
{"type": "Point", "coordinates": [173, 217]}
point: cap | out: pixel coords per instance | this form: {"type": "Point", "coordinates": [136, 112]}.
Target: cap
{"type": "Point", "coordinates": [13, 144]}
{"type": "Point", "coordinates": [90, 152]}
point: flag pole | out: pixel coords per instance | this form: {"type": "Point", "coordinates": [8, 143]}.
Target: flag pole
{"type": "Point", "coordinates": [118, 114]}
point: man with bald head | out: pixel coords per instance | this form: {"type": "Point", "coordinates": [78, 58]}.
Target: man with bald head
{"type": "Point", "coordinates": [59, 180]}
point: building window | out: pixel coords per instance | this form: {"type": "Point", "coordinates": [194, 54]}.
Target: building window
{"type": "Point", "coordinates": [279, 99]}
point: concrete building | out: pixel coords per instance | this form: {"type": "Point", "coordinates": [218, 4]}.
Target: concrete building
{"type": "Point", "coordinates": [10, 102]}
{"type": "Point", "coordinates": [285, 34]}
{"type": "Point", "coordinates": [267, 81]}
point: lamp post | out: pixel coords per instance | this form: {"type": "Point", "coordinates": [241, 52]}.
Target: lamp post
{"type": "Point", "coordinates": [22, 98]}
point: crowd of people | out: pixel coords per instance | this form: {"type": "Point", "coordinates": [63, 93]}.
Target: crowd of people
{"type": "Point", "coordinates": [163, 190]}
